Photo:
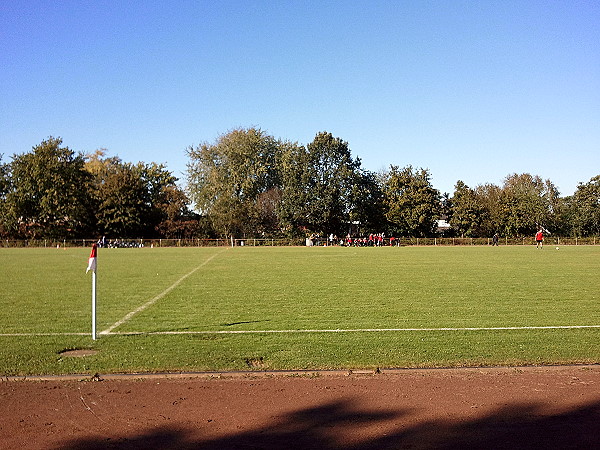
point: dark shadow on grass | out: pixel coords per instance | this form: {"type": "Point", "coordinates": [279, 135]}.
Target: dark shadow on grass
{"type": "Point", "coordinates": [242, 323]}
{"type": "Point", "coordinates": [328, 427]}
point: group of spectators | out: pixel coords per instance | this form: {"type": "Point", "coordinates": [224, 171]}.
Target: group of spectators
{"type": "Point", "coordinates": [372, 240]}
{"type": "Point", "coordinates": [118, 243]}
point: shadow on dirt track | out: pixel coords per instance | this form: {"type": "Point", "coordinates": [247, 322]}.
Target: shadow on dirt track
{"type": "Point", "coordinates": [337, 425]}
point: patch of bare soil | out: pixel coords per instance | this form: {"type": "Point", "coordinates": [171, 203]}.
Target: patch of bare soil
{"type": "Point", "coordinates": [534, 407]}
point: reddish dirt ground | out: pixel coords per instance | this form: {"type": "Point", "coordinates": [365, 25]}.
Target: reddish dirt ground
{"type": "Point", "coordinates": [533, 407]}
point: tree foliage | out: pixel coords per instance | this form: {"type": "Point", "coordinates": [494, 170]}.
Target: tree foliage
{"type": "Point", "coordinates": [585, 206]}
{"type": "Point", "coordinates": [249, 184]}
{"type": "Point", "coordinates": [119, 194]}
{"type": "Point", "coordinates": [4, 187]}
{"type": "Point", "coordinates": [367, 204]}
{"type": "Point", "coordinates": [4, 179]}
{"type": "Point", "coordinates": [467, 211]}
{"type": "Point", "coordinates": [47, 196]}
{"type": "Point", "coordinates": [291, 210]}
{"type": "Point", "coordinates": [319, 183]}
{"type": "Point", "coordinates": [519, 207]}
{"type": "Point", "coordinates": [413, 205]}
{"type": "Point", "coordinates": [176, 219]}
{"type": "Point", "coordinates": [528, 203]}
{"type": "Point", "coordinates": [130, 199]}
{"type": "Point", "coordinates": [226, 179]}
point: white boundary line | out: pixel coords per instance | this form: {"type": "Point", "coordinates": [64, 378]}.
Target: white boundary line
{"type": "Point", "coordinates": [42, 334]}
{"type": "Point", "coordinates": [153, 300]}
{"type": "Point", "coordinates": [362, 330]}
{"type": "Point", "coordinates": [356, 330]}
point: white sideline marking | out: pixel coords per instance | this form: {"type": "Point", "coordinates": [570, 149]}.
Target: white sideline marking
{"type": "Point", "coordinates": [41, 334]}
{"type": "Point", "coordinates": [362, 330]}
{"type": "Point", "coordinates": [158, 297]}
{"type": "Point", "coordinates": [356, 330]}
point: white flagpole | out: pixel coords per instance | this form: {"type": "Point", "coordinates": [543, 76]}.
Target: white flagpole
{"type": "Point", "coordinates": [94, 305]}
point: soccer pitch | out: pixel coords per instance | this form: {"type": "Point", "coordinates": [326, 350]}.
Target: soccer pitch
{"type": "Point", "coordinates": [195, 309]}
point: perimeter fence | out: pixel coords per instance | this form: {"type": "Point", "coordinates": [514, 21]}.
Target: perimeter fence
{"type": "Point", "coordinates": [251, 242]}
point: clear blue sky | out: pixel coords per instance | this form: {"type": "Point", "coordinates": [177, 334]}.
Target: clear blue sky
{"type": "Point", "coordinates": [471, 90]}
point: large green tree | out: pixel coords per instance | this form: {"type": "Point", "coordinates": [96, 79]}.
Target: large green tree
{"type": "Point", "coordinates": [177, 221]}
{"type": "Point", "coordinates": [129, 198]}
{"type": "Point", "coordinates": [527, 203]}
{"type": "Point", "coordinates": [413, 205]}
{"type": "Point", "coordinates": [294, 188]}
{"type": "Point", "coordinates": [227, 179]}
{"type": "Point", "coordinates": [467, 211]}
{"type": "Point", "coordinates": [489, 196]}
{"type": "Point", "coordinates": [48, 195]}
{"type": "Point", "coordinates": [586, 208]}
{"type": "Point", "coordinates": [319, 184]}
{"type": "Point", "coordinates": [160, 189]}
{"type": "Point", "coordinates": [367, 211]}
{"type": "Point", "coordinates": [120, 196]}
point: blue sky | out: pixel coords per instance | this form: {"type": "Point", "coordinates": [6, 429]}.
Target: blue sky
{"type": "Point", "coordinates": [471, 90]}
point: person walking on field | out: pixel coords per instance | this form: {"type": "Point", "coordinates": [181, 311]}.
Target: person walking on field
{"type": "Point", "coordinates": [539, 239]}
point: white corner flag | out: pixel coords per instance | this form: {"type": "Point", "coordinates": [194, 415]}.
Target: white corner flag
{"type": "Point", "coordinates": [92, 266]}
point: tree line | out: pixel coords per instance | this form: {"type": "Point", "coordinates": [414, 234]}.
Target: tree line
{"type": "Point", "coordinates": [248, 184]}
{"type": "Point", "coordinates": [52, 192]}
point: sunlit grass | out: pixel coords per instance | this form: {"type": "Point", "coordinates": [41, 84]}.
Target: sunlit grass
{"type": "Point", "coordinates": [262, 289]}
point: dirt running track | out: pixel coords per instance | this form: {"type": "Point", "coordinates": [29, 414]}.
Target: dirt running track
{"type": "Point", "coordinates": [536, 407]}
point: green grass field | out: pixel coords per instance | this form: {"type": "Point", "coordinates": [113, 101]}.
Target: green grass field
{"type": "Point", "coordinates": [196, 309]}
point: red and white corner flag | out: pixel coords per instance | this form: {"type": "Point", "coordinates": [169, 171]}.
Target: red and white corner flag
{"type": "Point", "coordinates": [92, 261]}
{"type": "Point", "coordinates": [92, 266]}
